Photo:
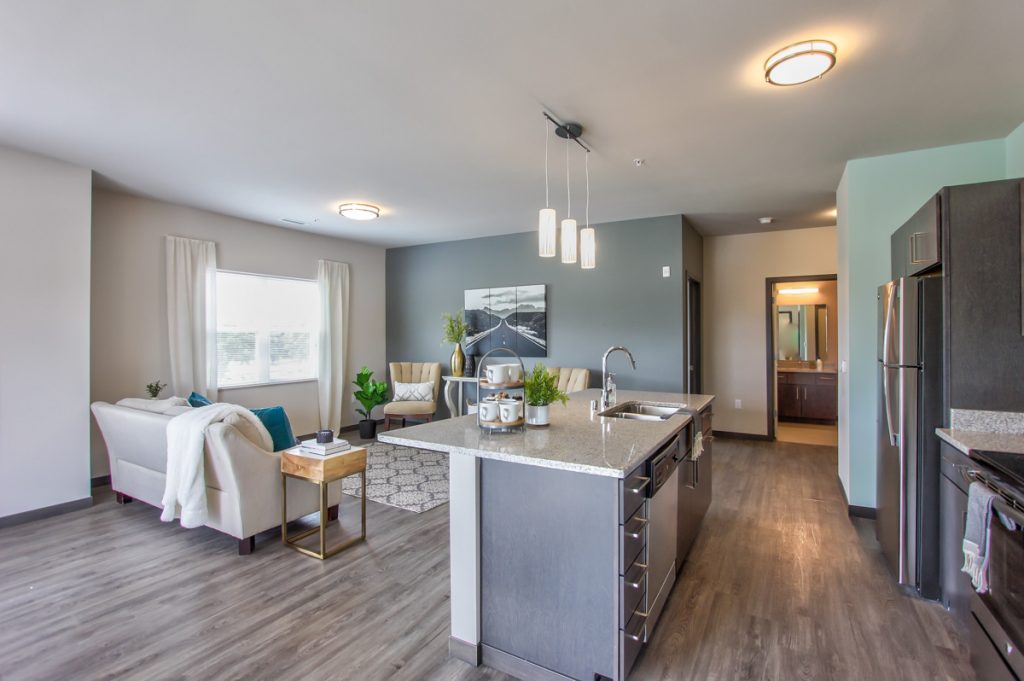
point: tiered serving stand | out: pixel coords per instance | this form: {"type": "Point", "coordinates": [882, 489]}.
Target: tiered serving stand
{"type": "Point", "coordinates": [483, 387]}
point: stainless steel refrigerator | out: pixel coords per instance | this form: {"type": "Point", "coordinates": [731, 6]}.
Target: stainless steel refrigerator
{"type": "Point", "coordinates": [910, 359]}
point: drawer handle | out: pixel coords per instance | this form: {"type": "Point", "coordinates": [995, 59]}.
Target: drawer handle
{"type": "Point", "coordinates": [638, 583]}
{"type": "Point", "coordinates": [637, 637]}
{"type": "Point", "coordinates": [640, 488]}
{"type": "Point", "coordinates": [638, 533]}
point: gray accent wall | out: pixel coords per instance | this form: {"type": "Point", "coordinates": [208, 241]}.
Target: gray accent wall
{"type": "Point", "coordinates": [625, 301]}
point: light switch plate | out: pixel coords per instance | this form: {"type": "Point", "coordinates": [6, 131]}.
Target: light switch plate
{"type": "Point", "coordinates": [739, 404]}
{"type": "Point", "coordinates": [666, 271]}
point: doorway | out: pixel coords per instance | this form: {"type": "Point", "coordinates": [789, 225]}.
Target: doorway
{"type": "Point", "coordinates": [693, 378]}
{"type": "Point", "coordinates": [802, 359]}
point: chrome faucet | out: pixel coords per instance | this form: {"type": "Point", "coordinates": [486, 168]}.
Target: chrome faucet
{"type": "Point", "coordinates": [605, 390]}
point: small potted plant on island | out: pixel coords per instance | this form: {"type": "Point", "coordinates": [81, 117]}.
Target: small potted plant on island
{"type": "Point", "coordinates": [541, 390]}
{"type": "Point", "coordinates": [371, 394]}
{"type": "Point", "coordinates": [154, 389]}
{"type": "Point", "coordinates": [455, 332]}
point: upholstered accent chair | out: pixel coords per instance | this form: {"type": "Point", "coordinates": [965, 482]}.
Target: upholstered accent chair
{"type": "Point", "coordinates": [413, 372]}
{"type": "Point", "coordinates": [571, 380]}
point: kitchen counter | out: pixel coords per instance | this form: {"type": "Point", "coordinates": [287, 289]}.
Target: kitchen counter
{"type": "Point", "coordinates": [545, 525]}
{"type": "Point", "coordinates": [966, 440]}
{"type": "Point", "coordinates": [576, 440]}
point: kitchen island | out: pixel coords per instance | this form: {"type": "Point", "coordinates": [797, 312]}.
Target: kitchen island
{"type": "Point", "coordinates": [563, 549]}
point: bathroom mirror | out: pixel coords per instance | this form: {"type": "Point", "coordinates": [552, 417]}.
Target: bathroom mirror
{"type": "Point", "coordinates": [802, 332]}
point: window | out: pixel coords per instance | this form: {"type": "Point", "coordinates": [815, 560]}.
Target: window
{"type": "Point", "coordinates": [267, 329]}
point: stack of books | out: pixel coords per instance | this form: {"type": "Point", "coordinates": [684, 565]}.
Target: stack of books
{"type": "Point", "coordinates": [314, 447]}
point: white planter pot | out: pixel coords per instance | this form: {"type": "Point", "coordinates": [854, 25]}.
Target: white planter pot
{"type": "Point", "coordinates": [537, 416]}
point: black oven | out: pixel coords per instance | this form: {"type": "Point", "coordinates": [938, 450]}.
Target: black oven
{"type": "Point", "coordinates": [997, 626]}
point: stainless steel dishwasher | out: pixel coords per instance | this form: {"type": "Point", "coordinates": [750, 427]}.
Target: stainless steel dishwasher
{"type": "Point", "coordinates": [662, 529]}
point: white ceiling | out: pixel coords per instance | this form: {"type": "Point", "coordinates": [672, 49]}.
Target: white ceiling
{"type": "Point", "coordinates": [267, 109]}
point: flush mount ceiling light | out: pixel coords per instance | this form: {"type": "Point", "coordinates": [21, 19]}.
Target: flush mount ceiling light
{"type": "Point", "coordinates": [798, 291]}
{"type": "Point", "coordinates": [800, 62]}
{"type": "Point", "coordinates": [359, 211]}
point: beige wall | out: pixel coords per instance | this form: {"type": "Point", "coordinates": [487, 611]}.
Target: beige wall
{"type": "Point", "coordinates": [735, 269]}
{"type": "Point", "coordinates": [129, 320]}
{"type": "Point", "coordinates": [44, 346]}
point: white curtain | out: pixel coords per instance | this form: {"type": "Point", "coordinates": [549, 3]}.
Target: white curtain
{"type": "Point", "coordinates": [332, 278]}
{"type": "Point", "coordinates": [192, 315]}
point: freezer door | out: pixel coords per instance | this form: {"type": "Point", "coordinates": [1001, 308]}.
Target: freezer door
{"type": "Point", "coordinates": [897, 521]}
{"type": "Point", "coordinates": [898, 322]}
{"type": "Point", "coordinates": [886, 339]}
{"type": "Point", "coordinates": [889, 496]}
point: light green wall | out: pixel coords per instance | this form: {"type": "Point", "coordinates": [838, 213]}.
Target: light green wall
{"type": "Point", "coordinates": [876, 196]}
{"type": "Point", "coordinates": [1015, 153]}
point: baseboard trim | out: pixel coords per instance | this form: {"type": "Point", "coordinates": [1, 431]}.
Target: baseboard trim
{"type": "Point", "coordinates": [100, 481]}
{"type": "Point", "coordinates": [461, 650]}
{"type": "Point", "coordinates": [729, 435]}
{"type": "Point", "coordinates": [516, 666]}
{"type": "Point", "coordinates": [862, 512]}
{"type": "Point", "coordinates": [47, 512]}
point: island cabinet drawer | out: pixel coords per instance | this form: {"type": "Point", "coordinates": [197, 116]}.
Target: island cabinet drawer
{"type": "Point", "coordinates": [632, 588]}
{"type": "Point", "coordinates": [631, 640]}
{"type": "Point", "coordinates": [632, 492]}
{"type": "Point", "coordinates": [632, 539]}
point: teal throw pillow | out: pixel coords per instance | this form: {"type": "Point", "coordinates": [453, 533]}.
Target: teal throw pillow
{"type": "Point", "coordinates": [197, 400]}
{"type": "Point", "coordinates": [277, 423]}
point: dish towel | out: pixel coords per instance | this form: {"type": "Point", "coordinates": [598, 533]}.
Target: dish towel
{"type": "Point", "coordinates": [698, 437]}
{"type": "Point", "coordinates": [185, 486]}
{"type": "Point", "coordinates": [976, 534]}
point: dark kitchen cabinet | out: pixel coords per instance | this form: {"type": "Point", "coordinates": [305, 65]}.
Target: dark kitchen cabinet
{"type": "Point", "coordinates": [807, 396]}
{"type": "Point", "coordinates": [956, 586]}
{"type": "Point", "coordinates": [694, 490]}
{"type": "Point", "coordinates": [915, 246]}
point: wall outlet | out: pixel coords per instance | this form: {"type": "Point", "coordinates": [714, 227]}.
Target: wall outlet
{"type": "Point", "coordinates": [739, 404]}
{"type": "Point", "coordinates": [666, 271]}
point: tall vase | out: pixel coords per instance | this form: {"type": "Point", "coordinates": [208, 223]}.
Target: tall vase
{"type": "Point", "coordinates": [458, 360]}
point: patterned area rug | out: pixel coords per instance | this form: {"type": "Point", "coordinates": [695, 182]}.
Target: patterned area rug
{"type": "Point", "coordinates": [411, 479]}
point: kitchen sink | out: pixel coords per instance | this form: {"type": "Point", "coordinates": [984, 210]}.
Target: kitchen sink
{"type": "Point", "coordinates": [637, 410]}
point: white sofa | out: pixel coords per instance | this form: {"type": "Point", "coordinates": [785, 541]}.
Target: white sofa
{"type": "Point", "coordinates": [243, 481]}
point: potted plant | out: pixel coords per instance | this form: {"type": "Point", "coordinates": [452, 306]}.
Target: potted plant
{"type": "Point", "coordinates": [371, 394]}
{"type": "Point", "coordinates": [541, 390]}
{"type": "Point", "coordinates": [154, 389]}
{"type": "Point", "coordinates": [454, 331]}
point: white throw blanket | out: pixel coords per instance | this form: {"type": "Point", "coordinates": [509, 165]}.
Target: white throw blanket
{"type": "Point", "coordinates": [185, 488]}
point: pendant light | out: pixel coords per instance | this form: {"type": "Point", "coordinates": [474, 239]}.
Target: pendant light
{"type": "Point", "coordinates": [568, 224]}
{"type": "Point", "coordinates": [588, 238]}
{"type": "Point", "coordinates": [547, 231]}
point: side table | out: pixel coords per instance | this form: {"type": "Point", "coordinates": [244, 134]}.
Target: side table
{"type": "Point", "coordinates": [321, 471]}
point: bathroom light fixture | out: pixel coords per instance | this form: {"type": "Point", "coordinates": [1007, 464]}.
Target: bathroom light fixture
{"type": "Point", "coordinates": [359, 211]}
{"type": "Point", "coordinates": [568, 224]}
{"type": "Point", "coordinates": [800, 62]}
{"type": "Point", "coordinates": [547, 221]}
{"type": "Point", "coordinates": [798, 291]}
{"type": "Point", "coordinates": [588, 238]}
{"type": "Point", "coordinates": [766, 220]}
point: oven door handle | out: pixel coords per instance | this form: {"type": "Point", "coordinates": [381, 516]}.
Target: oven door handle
{"type": "Point", "coordinates": [1007, 510]}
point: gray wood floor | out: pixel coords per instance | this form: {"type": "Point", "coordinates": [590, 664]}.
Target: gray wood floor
{"type": "Point", "coordinates": [780, 585]}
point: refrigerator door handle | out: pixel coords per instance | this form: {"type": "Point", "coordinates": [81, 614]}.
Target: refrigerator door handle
{"type": "Point", "coordinates": [887, 393]}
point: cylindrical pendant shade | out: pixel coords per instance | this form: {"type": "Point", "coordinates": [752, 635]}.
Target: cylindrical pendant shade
{"type": "Point", "coordinates": [588, 248]}
{"type": "Point", "coordinates": [568, 241]}
{"type": "Point", "coordinates": [547, 230]}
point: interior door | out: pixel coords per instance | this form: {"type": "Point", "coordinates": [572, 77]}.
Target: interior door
{"type": "Point", "coordinates": [693, 336]}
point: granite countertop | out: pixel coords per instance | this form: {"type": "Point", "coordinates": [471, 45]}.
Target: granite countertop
{"type": "Point", "coordinates": [966, 440]}
{"type": "Point", "coordinates": [575, 440]}
{"type": "Point", "coordinates": [804, 370]}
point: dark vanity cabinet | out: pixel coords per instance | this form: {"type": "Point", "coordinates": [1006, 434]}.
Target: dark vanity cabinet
{"type": "Point", "coordinates": [807, 396]}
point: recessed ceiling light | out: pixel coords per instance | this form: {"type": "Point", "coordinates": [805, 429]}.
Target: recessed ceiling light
{"type": "Point", "coordinates": [766, 220]}
{"type": "Point", "coordinates": [800, 62]}
{"type": "Point", "coordinates": [359, 211]}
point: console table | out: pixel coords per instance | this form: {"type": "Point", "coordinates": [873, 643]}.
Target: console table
{"type": "Point", "coordinates": [455, 407]}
